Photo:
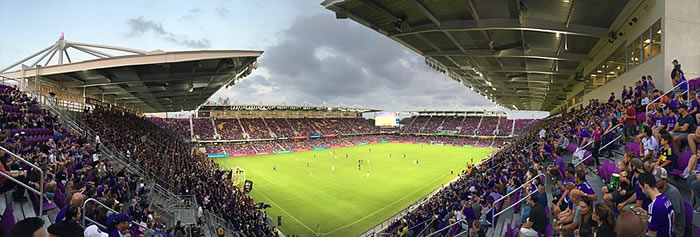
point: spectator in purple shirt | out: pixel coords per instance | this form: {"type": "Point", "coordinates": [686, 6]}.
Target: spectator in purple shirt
{"type": "Point", "coordinates": [660, 210]}
{"type": "Point", "coordinates": [624, 93]}
{"type": "Point", "coordinates": [582, 184]}
{"type": "Point", "coordinates": [612, 98]}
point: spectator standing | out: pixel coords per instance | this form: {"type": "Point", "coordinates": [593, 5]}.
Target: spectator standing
{"type": "Point", "coordinates": [661, 177]}
{"type": "Point", "coordinates": [676, 69]}
{"type": "Point", "coordinates": [660, 210]}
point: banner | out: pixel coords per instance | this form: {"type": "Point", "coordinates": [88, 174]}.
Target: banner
{"type": "Point", "coordinates": [315, 136]}
{"type": "Point", "coordinates": [238, 154]}
{"type": "Point", "coordinates": [384, 141]}
{"type": "Point", "coordinates": [361, 144]}
{"type": "Point", "coordinates": [319, 148]}
{"type": "Point", "coordinates": [283, 138]}
{"type": "Point", "coordinates": [300, 150]}
{"type": "Point", "coordinates": [217, 155]}
{"type": "Point", "coordinates": [372, 142]}
{"type": "Point", "coordinates": [263, 153]}
{"type": "Point", "coordinates": [337, 146]}
{"type": "Point", "coordinates": [299, 137]}
{"type": "Point", "coordinates": [250, 154]}
{"type": "Point", "coordinates": [330, 135]}
{"type": "Point", "coordinates": [281, 152]}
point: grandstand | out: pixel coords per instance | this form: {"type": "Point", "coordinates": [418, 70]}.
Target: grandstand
{"type": "Point", "coordinates": [468, 123]}
{"type": "Point", "coordinates": [571, 58]}
{"type": "Point", "coordinates": [75, 137]}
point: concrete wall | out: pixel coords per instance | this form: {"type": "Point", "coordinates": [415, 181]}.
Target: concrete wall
{"type": "Point", "coordinates": [653, 67]}
{"type": "Point", "coordinates": [647, 13]}
{"type": "Point", "coordinates": [681, 35]}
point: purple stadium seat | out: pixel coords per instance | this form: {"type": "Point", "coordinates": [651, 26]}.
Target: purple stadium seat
{"type": "Point", "coordinates": [633, 147]}
{"type": "Point", "coordinates": [682, 163]}
{"type": "Point", "coordinates": [35, 202]}
{"type": "Point", "coordinates": [8, 219]}
{"type": "Point", "coordinates": [571, 148]}
{"type": "Point", "coordinates": [588, 161]}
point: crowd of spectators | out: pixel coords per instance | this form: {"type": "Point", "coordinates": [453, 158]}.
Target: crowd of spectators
{"type": "Point", "coordinates": [202, 128]}
{"type": "Point", "coordinates": [658, 145]}
{"type": "Point", "coordinates": [488, 126]}
{"type": "Point", "coordinates": [294, 144]}
{"type": "Point", "coordinates": [180, 126]}
{"type": "Point", "coordinates": [303, 126]}
{"type": "Point", "coordinates": [255, 127]}
{"type": "Point", "coordinates": [73, 172]}
{"type": "Point", "coordinates": [469, 125]}
{"type": "Point", "coordinates": [179, 165]}
{"type": "Point", "coordinates": [451, 123]}
{"type": "Point", "coordinates": [280, 126]}
{"type": "Point", "coordinates": [260, 128]}
{"type": "Point", "coordinates": [227, 128]}
{"type": "Point", "coordinates": [505, 126]}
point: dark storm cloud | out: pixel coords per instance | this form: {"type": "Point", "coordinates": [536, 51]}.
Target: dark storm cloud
{"type": "Point", "coordinates": [140, 26]}
{"type": "Point", "coordinates": [321, 59]}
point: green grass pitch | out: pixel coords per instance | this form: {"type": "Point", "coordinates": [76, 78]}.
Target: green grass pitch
{"type": "Point", "coordinates": [346, 201]}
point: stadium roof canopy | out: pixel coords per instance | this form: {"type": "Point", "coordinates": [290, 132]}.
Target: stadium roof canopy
{"type": "Point", "coordinates": [523, 54]}
{"type": "Point", "coordinates": [154, 81]}
{"type": "Point", "coordinates": [354, 109]}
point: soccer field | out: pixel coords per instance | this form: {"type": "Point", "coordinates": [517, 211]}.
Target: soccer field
{"type": "Point", "coordinates": [333, 195]}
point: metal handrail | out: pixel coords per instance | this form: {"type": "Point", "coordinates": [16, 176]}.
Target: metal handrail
{"type": "Point", "coordinates": [669, 91]}
{"type": "Point", "coordinates": [599, 149]}
{"type": "Point", "coordinates": [106, 207]}
{"type": "Point", "coordinates": [512, 192]}
{"type": "Point", "coordinates": [447, 227]}
{"type": "Point", "coordinates": [41, 181]}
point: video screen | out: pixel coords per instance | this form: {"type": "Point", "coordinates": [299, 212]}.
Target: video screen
{"type": "Point", "coordinates": [386, 119]}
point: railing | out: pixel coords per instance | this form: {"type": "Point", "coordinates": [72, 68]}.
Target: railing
{"type": "Point", "coordinates": [39, 192]}
{"type": "Point", "coordinates": [386, 223]}
{"type": "Point", "coordinates": [214, 222]}
{"type": "Point", "coordinates": [493, 217]}
{"type": "Point", "coordinates": [599, 149]}
{"type": "Point", "coordinates": [105, 207]}
{"type": "Point", "coordinates": [687, 89]}
{"type": "Point", "coordinates": [462, 221]}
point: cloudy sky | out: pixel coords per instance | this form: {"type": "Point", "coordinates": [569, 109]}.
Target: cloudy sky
{"type": "Point", "coordinates": [309, 55]}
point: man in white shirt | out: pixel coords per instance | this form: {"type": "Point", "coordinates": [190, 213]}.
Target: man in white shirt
{"type": "Point", "coordinates": [650, 147]}
{"type": "Point", "coordinates": [542, 133]}
{"type": "Point", "coordinates": [97, 142]}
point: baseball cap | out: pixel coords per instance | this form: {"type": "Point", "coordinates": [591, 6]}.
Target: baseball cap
{"type": "Point", "coordinates": [637, 165]}
{"type": "Point", "coordinates": [628, 101]}
{"type": "Point", "coordinates": [659, 173]}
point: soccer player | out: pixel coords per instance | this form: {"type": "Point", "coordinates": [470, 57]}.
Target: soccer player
{"type": "Point", "coordinates": [346, 155]}
{"type": "Point", "coordinates": [404, 155]}
{"type": "Point", "coordinates": [274, 168]}
{"type": "Point", "coordinates": [308, 164]}
{"type": "Point", "coordinates": [333, 168]}
{"type": "Point", "coordinates": [368, 174]}
{"type": "Point", "coordinates": [369, 150]}
{"type": "Point", "coordinates": [660, 210]}
{"type": "Point", "coordinates": [389, 155]}
{"type": "Point", "coordinates": [314, 155]}
{"type": "Point", "coordinates": [359, 164]}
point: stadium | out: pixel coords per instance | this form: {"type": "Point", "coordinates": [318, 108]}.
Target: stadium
{"type": "Point", "coordinates": [591, 132]}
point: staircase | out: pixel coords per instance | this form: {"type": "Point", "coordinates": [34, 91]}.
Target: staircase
{"type": "Point", "coordinates": [167, 204]}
